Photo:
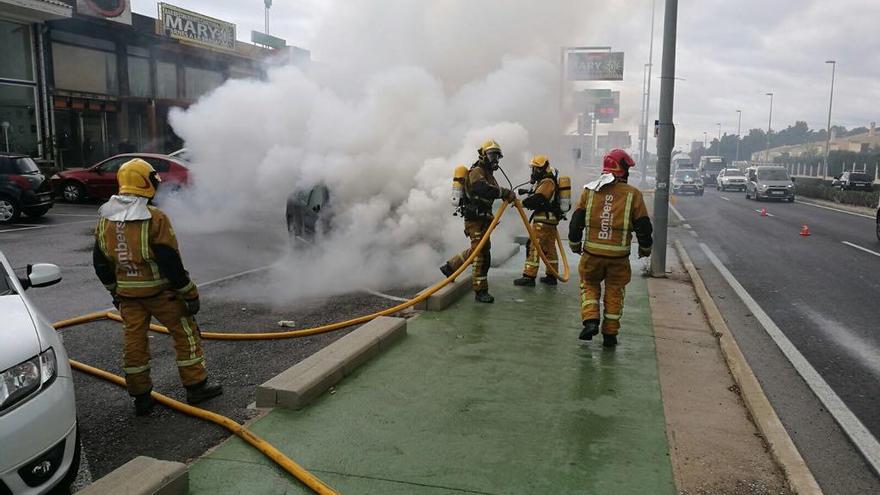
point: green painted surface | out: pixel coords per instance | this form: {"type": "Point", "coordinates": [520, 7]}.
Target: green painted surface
{"type": "Point", "coordinates": [498, 399]}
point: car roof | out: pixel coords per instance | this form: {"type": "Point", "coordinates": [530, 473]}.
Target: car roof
{"type": "Point", "coordinates": [5, 154]}
{"type": "Point", "coordinates": [148, 155]}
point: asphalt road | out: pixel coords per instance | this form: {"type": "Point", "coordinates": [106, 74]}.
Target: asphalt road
{"type": "Point", "coordinates": [822, 295]}
{"type": "Point", "coordinates": [223, 265]}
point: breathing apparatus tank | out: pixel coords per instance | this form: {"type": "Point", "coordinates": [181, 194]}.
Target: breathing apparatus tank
{"type": "Point", "coordinates": [458, 185]}
{"type": "Point", "coordinates": [564, 183]}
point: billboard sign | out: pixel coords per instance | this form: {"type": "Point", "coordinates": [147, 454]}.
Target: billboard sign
{"type": "Point", "coordinates": [608, 109]}
{"type": "Point", "coordinates": [111, 10]}
{"type": "Point", "coordinates": [264, 39]}
{"type": "Point", "coordinates": [595, 66]}
{"type": "Point", "coordinates": [192, 27]}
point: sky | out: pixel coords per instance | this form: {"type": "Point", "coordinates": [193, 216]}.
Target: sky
{"type": "Point", "coordinates": [729, 54]}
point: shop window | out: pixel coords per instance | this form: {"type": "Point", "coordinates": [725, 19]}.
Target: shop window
{"type": "Point", "coordinates": [18, 119]}
{"type": "Point", "coordinates": [201, 81]}
{"type": "Point", "coordinates": [139, 77]}
{"type": "Point", "coordinates": [84, 69]}
{"type": "Point", "coordinates": [166, 80]}
{"type": "Point", "coordinates": [15, 57]}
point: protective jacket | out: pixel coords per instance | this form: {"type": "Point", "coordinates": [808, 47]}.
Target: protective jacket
{"type": "Point", "coordinates": [140, 258]}
{"type": "Point", "coordinates": [481, 190]}
{"type": "Point", "coordinates": [609, 215]}
{"type": "Point", "coordinates": [545, 202]}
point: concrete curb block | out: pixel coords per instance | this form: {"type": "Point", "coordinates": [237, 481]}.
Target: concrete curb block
{"type": "Point", "coordinates": [798, 475]}
{"type": "Point", "coordinates": [447, 296]}
{"type": "Point", "coordinates": [142, 476]}
{"type": "Point", "coordinates": [300, 384]}
{"type": "Point", "coordinates": [503, 254]}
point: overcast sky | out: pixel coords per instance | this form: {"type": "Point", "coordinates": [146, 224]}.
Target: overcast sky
{"type": "Point", "coordinates": [730, 54]}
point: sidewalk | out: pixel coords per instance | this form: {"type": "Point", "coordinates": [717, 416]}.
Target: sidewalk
{"type": "Point", "coordinates": [503, 399]}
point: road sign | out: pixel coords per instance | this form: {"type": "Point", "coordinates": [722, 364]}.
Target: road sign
{"type": "Point", "coordinates": [595, 66]}
{"type": "Point", "coordinates": [267, 40]}
{"type": "Point", "coordinates": [192, 27]}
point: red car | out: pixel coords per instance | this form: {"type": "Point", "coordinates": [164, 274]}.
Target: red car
{"type": "Point", "coordinates": [99, 181]}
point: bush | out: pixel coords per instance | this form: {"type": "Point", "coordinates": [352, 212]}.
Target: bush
{"type": "Point", "coordinates": [819, 190]}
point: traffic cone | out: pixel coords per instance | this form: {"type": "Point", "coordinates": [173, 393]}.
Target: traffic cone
{"type": "Point", "coordinates": [763, 212]}
{"type": "Point", "coordinates": [805, 231]}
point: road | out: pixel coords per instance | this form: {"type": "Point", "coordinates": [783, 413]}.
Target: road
{"type": "Point", "coordinates": [821, 292]}
{"type": "Point", "coordinates": [223, 264]}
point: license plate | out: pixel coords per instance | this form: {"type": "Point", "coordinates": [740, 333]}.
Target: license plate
{"type": "Point", "coordinates": [777, 192]}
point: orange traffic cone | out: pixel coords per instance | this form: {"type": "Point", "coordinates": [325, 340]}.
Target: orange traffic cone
{"type": "Point", "coordinates": [805, 231]}
{"type": "Point", "coordinates": [763, 212]}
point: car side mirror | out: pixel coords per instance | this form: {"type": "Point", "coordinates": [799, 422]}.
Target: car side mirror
{"type": "Point", "coordinates": [41, 275]}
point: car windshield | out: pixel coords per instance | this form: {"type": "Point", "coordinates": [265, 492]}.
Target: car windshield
{"type": "Point", "coordinates": [773, 174]}
{"type": "Point", "coordinates": [684, 174]}
{"type": "Point", "coordinates": [860, 177]}
{"type": "Point", "coordinates": [733, 172]}
{"type": "Point", "coordinates": [17, 165]}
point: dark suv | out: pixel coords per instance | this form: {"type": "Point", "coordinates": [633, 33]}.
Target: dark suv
{"type": "Point", "coordinates": [23, 189]}
{"type": "Point", "coordinates": [854, 181]}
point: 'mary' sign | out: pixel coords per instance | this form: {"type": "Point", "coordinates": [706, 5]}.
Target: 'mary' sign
{"type": "Point", "coordinates": [191, 26]}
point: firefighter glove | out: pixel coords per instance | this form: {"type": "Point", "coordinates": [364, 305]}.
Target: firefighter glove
{"type": "Point", "coordinates": [523, 191]}
{"type": "Point", "coordinates": [192, 306]}
{"type": "Point", "coordinates": [644, 252]}
{"type": "Point", "coordinates": [508, 195]}
{"type": "Point", "coordinates": [575, 247]}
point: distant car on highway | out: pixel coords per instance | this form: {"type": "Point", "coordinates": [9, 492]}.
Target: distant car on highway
{"type": "Point", "coordinates": [769, 182]}
{"type": "Point", "coordinates": [731, 178]}
{"type": "Point", "coordinates": [854, 181]}
{"type": "Point", "coordinates": [38, 427]}
{"type": "Point", "coordinates": [23, 188]}
{"type": "Point", "coordinates": [687, 182]}
{"type": "Point", "coordinates": [99, 181]}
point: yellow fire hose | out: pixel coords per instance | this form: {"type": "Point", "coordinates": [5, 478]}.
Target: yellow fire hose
{"type": "Point", "coordinates": [552, 271]}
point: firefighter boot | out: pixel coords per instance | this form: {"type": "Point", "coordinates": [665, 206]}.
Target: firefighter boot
{"type": "Point", "coordinates": [548, 279]}
{"type": "Point", "coordinates": [483, 296]}
{"type": "Point", "coordinates": [143, 404]}
{"type": "Point", "coordinates": [524, 282]}
{"type": "Point", "coordinates": [446, 270]}
{"type": "Point", "coordinates": [609, 341]}
{"type": "Point", "coordinates": [202, 391]}
{"type": "Point", "coordinates": [591, 328]}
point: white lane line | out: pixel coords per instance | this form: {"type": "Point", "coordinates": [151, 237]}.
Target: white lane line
{"type": "Point", "coordinates": [73, 215]}
{"type": "Point", "coordinates": [768, 214]}
{"type": "Point", "coordinates": [677, 214]}
{"type": "Point", "coordinates": [860, 436]}
{"type": "Point", "coordinates": [875, 253]}
{"type": "Point", "coordinates": [686, 225]}
{"type": "Point", "coordinates": [386, 296]}
{"type": "Point", "coordinates": [234, 275]}
{"type": "Point", "coordinates": [834, 209]}
{"type": "Point", "coordinates": [32, 227]}
{"type": "Point", "coordinates": [694, 233]}
{"type": "Point", "coordinates": [725, 198]}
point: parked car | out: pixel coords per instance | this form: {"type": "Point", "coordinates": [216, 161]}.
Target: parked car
{"type": "Point", "coordinates": [854, 181]}
{"type": "Point", "coordinates": [309, 214]}
{"type": "Point", "coordinates": [99, 181]}
{"type": "Point", "coordinates": [769, 182]}
{"type": "Point", "coordinates": [38, 428]}
{"type": "Point", "coordinates": [731, 178]}
{"type": "Point", "coordinates": [23, 189]}
{"type": "Point", "coordinates": [687, 181]}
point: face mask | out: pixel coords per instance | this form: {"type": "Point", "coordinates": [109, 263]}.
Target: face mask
{"type": "Point", "coordinates": [537, 173]}
{"type": "Point", "coordinates": [492, 157]}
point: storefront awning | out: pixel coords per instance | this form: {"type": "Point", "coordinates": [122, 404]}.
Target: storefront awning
{"type": "Point", "coordinates": [34, 10]}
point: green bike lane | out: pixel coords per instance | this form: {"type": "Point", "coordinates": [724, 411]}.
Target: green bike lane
{"type": "Point", "coordinates": [485, 399]}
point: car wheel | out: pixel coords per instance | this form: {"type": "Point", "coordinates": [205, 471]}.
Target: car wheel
{"type": "Point", "coordinates": [37, 212]}
{"type": "Point", "coordinates": [791, 199]}
{"type": "Point", "coordinates": [73, 192]}
{"type": "Point", "coordinates": [9, 210]}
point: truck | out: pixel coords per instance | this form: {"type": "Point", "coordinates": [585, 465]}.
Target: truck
{"type": "Point", "coordinates": [709, 168]}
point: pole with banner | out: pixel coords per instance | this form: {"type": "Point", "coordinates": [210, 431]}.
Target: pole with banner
{"type": "Point", "coordinates": [665, 141]}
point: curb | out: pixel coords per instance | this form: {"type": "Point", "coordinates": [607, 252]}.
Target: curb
{"type": "Point", "coordinates": [796, 472]}
{"type": "Point", "coordinates": [303, 382]}
{"type": "Point", "coordinates": [142, 476]}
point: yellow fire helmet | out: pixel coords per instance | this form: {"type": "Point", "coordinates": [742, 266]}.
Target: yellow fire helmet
{"type": "Point", "coordinates": [136, 177]}
{"type": "Point", "coordinates": [539, 161]}
{"type": "Point", "coordinates": [490, 145]}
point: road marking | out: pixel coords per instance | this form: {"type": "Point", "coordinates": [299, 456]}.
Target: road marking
{"type": "Point", "coordinates": [686, 225]}
{"type": "Point", "coordinates": [234, 275]}
{"type": "Point", "coordinates": [860, 436]}
{"type": "Point", "coordinates": [768, 214]}
{"type": "Point", "coordinates": [875, 253]}
{"type": "Point", "coordinates": [386, 296]}
{"type": "Point", "coordinates": [725, 198]}
{"type": "Point", "coordinates": [693, 233]}
{"type": "Point", "coordinates": [835, 209]}
{"type": "Point", "coordinates": [674, 210]}
{"type": "Point", "coordinates": [74, 215]}
{"type": "Point", "coordinates": [33, 227]}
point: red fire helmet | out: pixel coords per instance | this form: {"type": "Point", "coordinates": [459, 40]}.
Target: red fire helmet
{"type": "Point", "coordinates": [617, 163]}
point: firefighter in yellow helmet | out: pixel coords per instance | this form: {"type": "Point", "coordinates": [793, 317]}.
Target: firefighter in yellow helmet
{"type": "Point", "coordinates": [607, 213]}
{"type": "Point", "coordinates": [137, 259]}
{"type": "Point", "coordinates": [543, 200]}
{"type": "Point", "coordinates": [480, 191]}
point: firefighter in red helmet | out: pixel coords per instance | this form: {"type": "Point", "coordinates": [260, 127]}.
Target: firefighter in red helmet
{"type": "Point", "coordinates": [608, 212]}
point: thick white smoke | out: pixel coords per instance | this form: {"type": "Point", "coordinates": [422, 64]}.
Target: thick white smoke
{"type": "Point", "coordinates": [407, 91]}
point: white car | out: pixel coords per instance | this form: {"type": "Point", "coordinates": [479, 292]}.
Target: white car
{"type": "Point", "coordinates": [731, 178]}
{"type": "Point", "coordinates": [39, 442]}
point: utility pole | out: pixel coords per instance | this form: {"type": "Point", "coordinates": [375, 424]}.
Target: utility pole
{"type": "Point", "coordinates": [719, 137]}
{"type": "Point", "coordinates": [739, 122]}
{"type": "Point", "coordinates": [643, 132]}
{"type": "Point", "coordinates": [769, 122]}
{"type": "Point", "coordinates": [268, 4]}
{"type": "Point", "coordinates": [830, 101]}
{"type": "Point", "coordinates": [665, 141]}
{"type": "Point", "coordinates": [644, 151]}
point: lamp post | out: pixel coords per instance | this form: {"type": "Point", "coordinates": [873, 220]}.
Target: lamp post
{"type": "Point", "coordinates": [644, 151]}
{"type": "Point", "coordinates": [828, 130]}
{"type": "Point", "coordinates": [5, 126]}
{"type": "Point", "coordinates": [268, 4]}
{"type": "Point", "coordinates": [739, 121]}
{"type": "Point", "coordinates": [719, 137]}
{"type": "Point", "coordinates": [769, 122]}
{"type": "Point", "coordinates": [705, 139]}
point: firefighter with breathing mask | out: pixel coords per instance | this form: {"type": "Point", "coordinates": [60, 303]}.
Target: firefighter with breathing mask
{"type": "Point", "coordinates": [544, 201]}
{"type": "Point", "coordinates": [480, 191]}
{"type": "Point", "coordinates": [608, 212]}
{"type": "Point", "coordinates": [137, 259]}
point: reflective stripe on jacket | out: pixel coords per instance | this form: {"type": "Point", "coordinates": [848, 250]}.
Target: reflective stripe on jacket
{"type": "Point", "coordinates": [609, 216]}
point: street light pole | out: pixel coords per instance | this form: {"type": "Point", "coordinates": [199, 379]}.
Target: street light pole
{"type": "Point", "coordinates": [643, 132]}
{"type": "Point", "coordinates": [665, 140]}
{"type": "Point", "coordinates": [769, 122]}
{"type": "Point", "coordinates": [830, 101]}
{"type": "Point", "coordinates": [644, 151]}
{"type": "Point", "coordinates": [705, 139]}
{"type": "Point", "coordinates": [739, 121]}
{"type": "Point", "coordinates": [719, 137]}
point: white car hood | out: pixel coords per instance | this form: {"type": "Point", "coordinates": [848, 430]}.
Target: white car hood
{"type": "Point", "coordinates": [18, 336]}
